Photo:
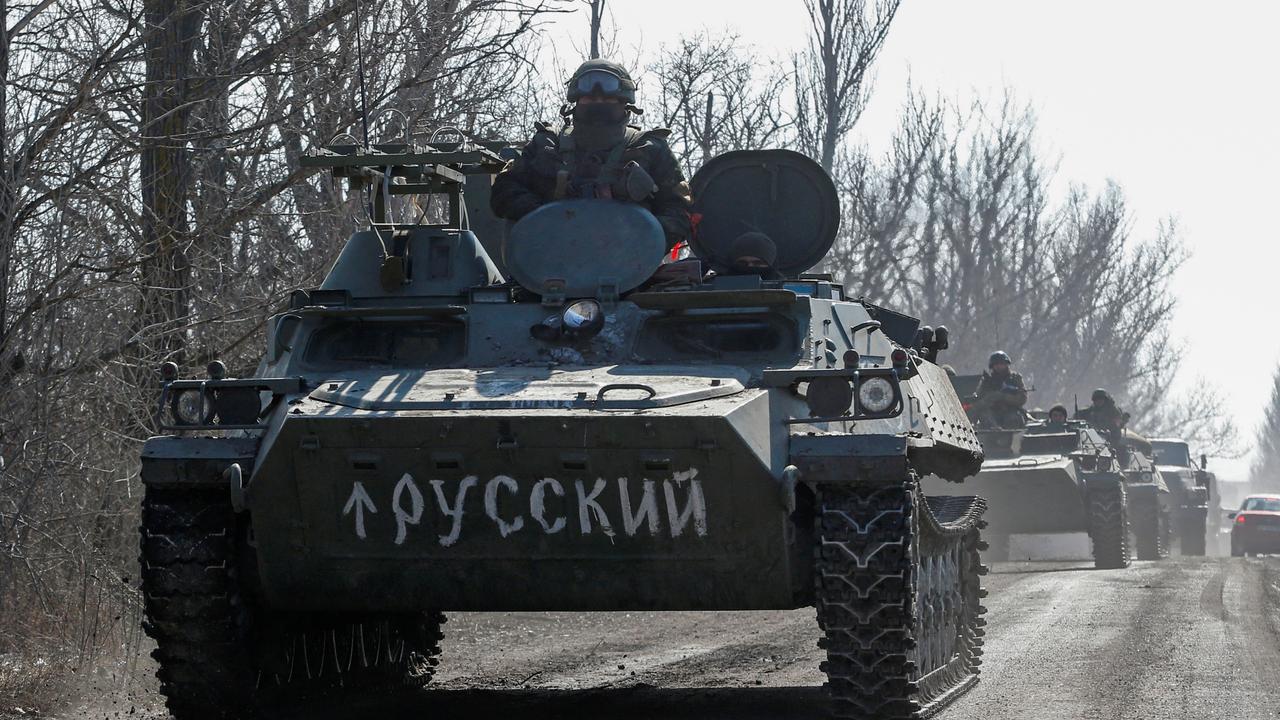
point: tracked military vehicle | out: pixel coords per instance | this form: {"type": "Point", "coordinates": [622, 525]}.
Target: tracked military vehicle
{"type": "Point", "coordinates": [429, 432]}
{"type": "Point", "coordinates": [1051, 479]}
{"type": "Point", "coordinates": [1191, 487]}
{"type": "Point", "coordinates": [1151, 504]}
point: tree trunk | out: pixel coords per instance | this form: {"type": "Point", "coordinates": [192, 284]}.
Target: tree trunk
{"type": "Point", "coordinates": [6, 190]}
{"type": "Point", "coordinates": [172, 28]}
{"type": "Point", "coordinates": [597, 12]}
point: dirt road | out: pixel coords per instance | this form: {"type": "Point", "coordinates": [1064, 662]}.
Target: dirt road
{"type": "Point", "coordinates": [1184, 638]}
{"type": "Point", "coordinates": [1177, 640]}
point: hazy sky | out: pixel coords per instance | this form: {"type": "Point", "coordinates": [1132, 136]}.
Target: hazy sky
{"type": "Point", "coordinates": [1176, 101]}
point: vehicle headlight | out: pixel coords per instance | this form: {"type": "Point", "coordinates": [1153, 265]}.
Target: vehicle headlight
{"type": "Point", "coordinates": [237, 406]}
{"type": "Point", "coordinates": [582, 319]}
{"type": "Point", "coordinates": [875, 395]}
{"type": "Point", "coordinates": [191, 407]}
{"type": "Point", "coordinates": [829, 396]}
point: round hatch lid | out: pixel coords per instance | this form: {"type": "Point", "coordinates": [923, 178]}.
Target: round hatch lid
{"type": "Point", "coordinates": [584, 248]}
{"type": "Point", "coordinates": [780, 193]}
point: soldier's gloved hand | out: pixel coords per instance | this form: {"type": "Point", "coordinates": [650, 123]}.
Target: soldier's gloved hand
{"type": "Point", "coordinates": [637, 184]}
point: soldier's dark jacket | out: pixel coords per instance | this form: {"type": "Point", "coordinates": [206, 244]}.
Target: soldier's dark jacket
{"type": "Point", "coordinates": [532, 179]}
{"type": "Point", "coordinates": [1103, 417]}
{"type": "Point", "coordinates": [1009, 390]}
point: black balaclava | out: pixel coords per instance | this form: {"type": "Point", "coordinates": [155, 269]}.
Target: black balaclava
{"type": "Point", "coordinates": [599, 125]}
{"type": "Point", "coordinates": [754, 245]}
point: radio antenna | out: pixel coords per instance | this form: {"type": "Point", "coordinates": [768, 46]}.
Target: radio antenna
{"type": "Point", "coordinates": [364, 100]}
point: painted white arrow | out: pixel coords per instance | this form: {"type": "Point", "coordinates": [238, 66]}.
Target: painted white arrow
{"type": "Point", "coordinates": [360, 501]}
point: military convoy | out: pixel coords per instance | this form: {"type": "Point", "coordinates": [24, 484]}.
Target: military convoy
{"type": "Point", "coordinates": [1131, 495]}
{"type": "Point", "coordinates": [549, 425]}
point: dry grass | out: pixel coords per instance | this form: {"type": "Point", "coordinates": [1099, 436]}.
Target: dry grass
{"type": "Point", "coordinates": [30, 687]}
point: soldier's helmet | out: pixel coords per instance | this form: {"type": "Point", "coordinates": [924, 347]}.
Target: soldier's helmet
{"type": "Point", "coordinates": [1100, 395]}
{"type": "Point", "coordinates": [998, 356]}
{"type": "Point", "coordinates": [604, 77]}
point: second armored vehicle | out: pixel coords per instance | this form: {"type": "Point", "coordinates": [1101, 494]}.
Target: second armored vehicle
{"type": "Point", "coordinates": [1052, 479]}
{"type": "Point", "coordinates": [425, 435]}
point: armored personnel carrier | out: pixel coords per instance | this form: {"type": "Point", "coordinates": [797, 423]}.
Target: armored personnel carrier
{"type": "Point", "coordinates": [431, 430]}
{"type": "Point", "coordinates": [1051, 479]}
{"type": "Point", "coordinates": [1191, 488]}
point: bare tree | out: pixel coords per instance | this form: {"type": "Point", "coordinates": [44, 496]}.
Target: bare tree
{"type": "Point", "coordinates": [958, 223]}
{"type": "Point", "coordinates": [152, 205]}
{"type": "Point", "coordinates": [881, 206]}
{"type": "Point", "coordinates": [172, 27]}
{"type": "Point", "coordinates": [717, 95]}
{"type": "Point", "coordinates": [1264, 473]}
{"type": "Point", "coordinates": [831, 77]}
{"type": "Point", "coordinates": [597, 15]}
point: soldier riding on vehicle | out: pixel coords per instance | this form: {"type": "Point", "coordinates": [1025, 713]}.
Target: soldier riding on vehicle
{"type": "Point", "coordinates": [1103, 413]}
{"type": "Point", "coordinates": [597, 154]}
{"type": "Point", "coordinates": [1000, 395]}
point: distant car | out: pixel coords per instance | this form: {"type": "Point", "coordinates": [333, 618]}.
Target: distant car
{"type": "Point", "coordinates": [1256, 526]}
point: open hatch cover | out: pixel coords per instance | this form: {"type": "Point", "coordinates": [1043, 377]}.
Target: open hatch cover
{"type": "Point", "coordinates": [584, 248]}
{"type": "Point", "coordinates": [780, 193]}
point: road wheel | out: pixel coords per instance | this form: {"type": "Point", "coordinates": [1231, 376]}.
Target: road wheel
{"type": "Point", "coordinates": [898, 598]}
{"type": "Point", "coordinates": [325, 653]}
{"type": "Point", "coordinates": [1109, 524]}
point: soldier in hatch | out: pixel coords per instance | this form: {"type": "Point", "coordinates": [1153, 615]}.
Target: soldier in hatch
{"type": "Point", "coordinates": [754, 253]}
{"type": "Point", "coordinates": [597, 155]}
{"type": "Point", "coordinates": [1103, 413]}
{"type": "Point", "coordinates": [1000, 396]}
{"type": "Point", "coordinates": [1058, 416]}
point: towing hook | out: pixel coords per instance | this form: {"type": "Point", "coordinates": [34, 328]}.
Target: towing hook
{"type": "Point", "coordinates": [235, 478]}
{"type": "Point", "coordinates": [787, 487]}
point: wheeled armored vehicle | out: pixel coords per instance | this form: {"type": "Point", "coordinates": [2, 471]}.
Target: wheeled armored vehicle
{"type": "Point", "coordinates": [1051, 479]}
{"type": "Point", "coordinates": [553, 426]}
{"type": "Point", "coordinates": [1191, 489]}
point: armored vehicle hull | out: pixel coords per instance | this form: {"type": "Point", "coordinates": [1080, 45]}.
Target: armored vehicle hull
{"type": "Point", "coordinates": [1047, 480]}
{"type": "Point", "coordinates": [427, 438]}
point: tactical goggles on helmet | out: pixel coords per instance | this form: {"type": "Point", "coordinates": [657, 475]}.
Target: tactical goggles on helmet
{"type": "Point", "coordinates": [607, 82]}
